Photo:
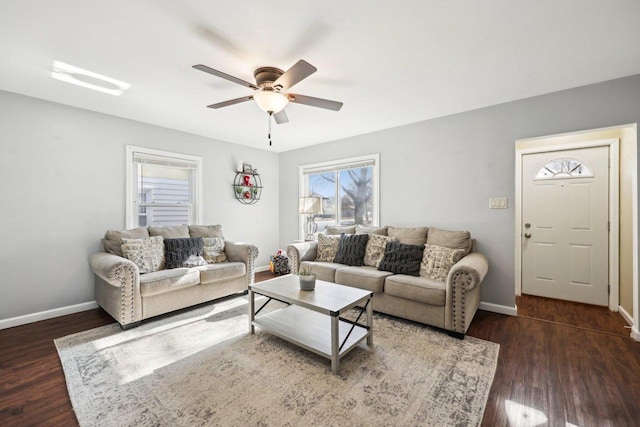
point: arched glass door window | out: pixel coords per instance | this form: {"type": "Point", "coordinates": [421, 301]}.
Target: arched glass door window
{"type": "Point", "coordinates": [566, 167]}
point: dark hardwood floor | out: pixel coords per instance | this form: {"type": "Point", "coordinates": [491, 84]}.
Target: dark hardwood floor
{"type": "Point", "coordinates": [570, 364]}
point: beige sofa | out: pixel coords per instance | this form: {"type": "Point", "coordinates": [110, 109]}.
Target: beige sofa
{"type": "Point", "coordinates": [131, 297]}
{"type": "Point", "coordinates": [449, 305]}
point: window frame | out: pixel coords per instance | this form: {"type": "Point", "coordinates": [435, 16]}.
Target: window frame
{"type": "Point", "coordinates": [131, 211]}
{"type": "Point", "coordinates": [342, 164]}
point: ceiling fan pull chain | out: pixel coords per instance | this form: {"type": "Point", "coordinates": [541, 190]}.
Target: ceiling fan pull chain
{"type": "Point", "coordinates": [269, 119]}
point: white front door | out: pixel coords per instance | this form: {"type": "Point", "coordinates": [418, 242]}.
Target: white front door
{"type": "Point", "coordinates": [565, 222]}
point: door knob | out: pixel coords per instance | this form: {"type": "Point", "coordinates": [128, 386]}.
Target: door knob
{"type": "Point", "coordinates": [527, 235]}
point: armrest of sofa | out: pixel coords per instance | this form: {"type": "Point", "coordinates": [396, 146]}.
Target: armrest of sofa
{"type": "Point", "coordinates": [243, 252]}
{"type": "Point", "coordinates": [303, 251]}
{"type": "Point", "coordinates": [463, 291]}
{"type": "Point", "coordinates": [117, 287]}
{"type": "Point", "coordinates": [112, 268]}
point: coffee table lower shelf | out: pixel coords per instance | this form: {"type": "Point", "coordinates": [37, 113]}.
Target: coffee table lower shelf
{"type": "Point", "coordinates": [310, 330]}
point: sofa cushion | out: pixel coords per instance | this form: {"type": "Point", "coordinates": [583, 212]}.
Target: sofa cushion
{"type": "Point", "coordinates": [327, 247]}
{"type": "Point", "coordinates": [113, 238]}
{"type": "Point", "coordinates": [324, 270]}
{"type": "Point", "coordinates": [418, 289]}
{"type": "Point", "coordinates": [351, 249]}
{"type": "Point", "coordinates": [178, 251]}
{"type": "Point", "coordinates": [368, 278]}
{"type": "Point", "coordinates": [375, 249]}
{"type": "Point", "coordinates": [147, 254]}
{"type": "Point", "coordinates": [334, 230]}
{"type": "Point", "coordinates": [222, 271]}
{"type": "Point", "coordinates": [213, 250]}
{"type": "Point", "coordinates": [170, 232]}
{"type": "Point", "coordinates": [409, 236]}
{"type": "Point", "coordinates": [163, 281]}
{"type": "Point", "coordinates": [381, 231]}
{"type": "Point", "coordinates": [450, 239]}
{"type": "Point", "coordinates": [438, 260]}
{"type": "Point", "coordinates": [402, 259]}
{"type": "Point", "coordinates": [206, 231]}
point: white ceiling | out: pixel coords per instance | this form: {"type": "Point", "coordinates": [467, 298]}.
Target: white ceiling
{"type": "Point", "coordinates": [391, 63]}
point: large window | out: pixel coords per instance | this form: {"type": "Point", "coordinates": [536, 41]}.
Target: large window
{"type": "Point", "coordinates": [349, 191]}
{"type": "Point", "coordinates": [163, 188]}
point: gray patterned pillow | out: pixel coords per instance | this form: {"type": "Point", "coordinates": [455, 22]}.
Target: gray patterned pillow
{"type": "Point", "coordinates": [327, 247]}
{"type": "Point", "coordinates": [375, 249]}
{"type": "Point", "coordinates": [214, 250]}
{"type": "Point", "coordinates": [438, 260]}
{"type": "Point", "coordinates": [147, 254]}
{"type": "Point", "coordinates": [351, 249]}
{"type": "Point", "coordinates": [178, 251]}
{"type": "Point", "coordinates": [401, 258]}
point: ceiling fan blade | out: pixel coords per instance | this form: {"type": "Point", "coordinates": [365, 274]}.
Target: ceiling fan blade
{"type": "Point", "coordinates": [230, 102]}
{"type": "Point", "coordinates": [224, 76]}
{"type": "Point", "coordinates": [300, 71]}
{"type": "Point", "coordinates": [281, 117]}
{"type": "Point", "coordinates": [315, 102]}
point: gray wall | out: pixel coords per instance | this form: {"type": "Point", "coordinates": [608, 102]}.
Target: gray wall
{"type": "Point", "coordinates": [62, 181]}
{"type": "Point", "coordinates": [441, 172]}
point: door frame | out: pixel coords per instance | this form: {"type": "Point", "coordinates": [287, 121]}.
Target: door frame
{"type": "Point", "coordinates": [614, 214]}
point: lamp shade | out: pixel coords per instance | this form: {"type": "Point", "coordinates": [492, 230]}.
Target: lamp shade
{"type": "Point", "coordinates": [310, 205]}
{"type": "Point", "coordinates": [270, 101]}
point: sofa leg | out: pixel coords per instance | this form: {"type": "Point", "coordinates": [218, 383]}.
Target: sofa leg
{"type": "Point", "coordinates": [130, 326]}
{"type": "Point", "coordinates": [455, 334]}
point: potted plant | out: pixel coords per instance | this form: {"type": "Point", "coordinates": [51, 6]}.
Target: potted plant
{"type": "Point", "coordinates": [307, 280]}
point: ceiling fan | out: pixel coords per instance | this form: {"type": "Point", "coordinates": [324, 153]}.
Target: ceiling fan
{"type": "Point", "coordinates": [271, 89]}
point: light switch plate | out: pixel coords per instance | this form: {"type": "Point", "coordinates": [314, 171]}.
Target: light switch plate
{"type": "Point", "coordinates": [498, 203]}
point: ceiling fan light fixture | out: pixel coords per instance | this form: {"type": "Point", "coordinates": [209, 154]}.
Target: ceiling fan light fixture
{"type": "Point", "coordinates": [270, 101]}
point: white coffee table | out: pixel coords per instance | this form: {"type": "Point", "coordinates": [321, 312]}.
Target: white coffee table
{"type": "Point", "coordinates": [312, 318]}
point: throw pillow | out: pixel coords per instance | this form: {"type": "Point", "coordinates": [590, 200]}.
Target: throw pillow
{"type": "Point", "coordinates": [147, 254]}
{"type": "Point", "coordinates": [206, 231]}
{"type": "Point", "coordinates": [336, 230]}
{"type": "Point", "coordinates": [214, 250]}
{"type": "Point", "coordinates": [375, 249]}
{"type": "Point", "coordinates": [401, 258]}
{"type": "Point", "coordinates": [177, 251]}
{"type": "Point", "coordinates": [170, 232]}
{"type": "Point", "coordinates": [113, 239]}
{"type": "Point", "coordinates": [409, 236]}
{"type": "Point", "coordinates": [438, 260]}
{"type": "Point", "coordinates": [450, 239]}
{"type": "Point", "coordinates": [351, 249]}
{"type": "Point", "coordinates": [327, 247]}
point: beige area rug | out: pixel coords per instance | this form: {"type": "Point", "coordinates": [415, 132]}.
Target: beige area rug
{"type": "Point", "coordinates": [202, 368]}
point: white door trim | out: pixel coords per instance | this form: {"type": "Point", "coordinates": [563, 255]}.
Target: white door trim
{"type": "Point", "coordinates": [614, 215]}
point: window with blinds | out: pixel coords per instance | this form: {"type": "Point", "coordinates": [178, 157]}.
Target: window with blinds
{"type": "Point", "coordinates": [348, 188]}
{"type": "Point", "coordinates": [163, 188]}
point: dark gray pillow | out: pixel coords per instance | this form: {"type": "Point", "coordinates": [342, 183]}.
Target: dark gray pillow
{"type": "Point", "coordinates": [351, 249]}
{"type": "Point", "coordinates": [177, 251]}
{"type": "Point", "coordinates": [401, 258]}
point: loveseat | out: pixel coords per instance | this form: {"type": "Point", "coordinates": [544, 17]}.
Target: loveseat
{"type": "Point", "coordinates": [444, 292]}
{"type": "Point", "coordinates": [133, 283]}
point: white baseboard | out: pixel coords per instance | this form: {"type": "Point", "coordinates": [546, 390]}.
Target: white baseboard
{"type": "Point", "coordinates": [48, 314]}
{"type": "Point", "coordinates": [625, 315]}
{"type": "Point", "coordinates": [635, 334]}
{"type": "Point", "coordinates": [496, 308]}
{"type": "Point", "coordinates": [262, 268]}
